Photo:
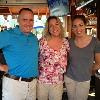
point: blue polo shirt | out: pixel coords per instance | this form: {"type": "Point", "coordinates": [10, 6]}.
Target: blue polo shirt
{"type": "Point", "coordinates": [21, 52]}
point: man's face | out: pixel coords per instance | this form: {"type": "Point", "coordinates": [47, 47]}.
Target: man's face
{"type": "Point", "coordinates": [25, 21]}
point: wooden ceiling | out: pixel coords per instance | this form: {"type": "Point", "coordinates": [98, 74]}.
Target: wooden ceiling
{"type": "Point", "coordinates": [13, 10]}
{"type": "Point", "coordinates": [39, 7]}
{"type": "Point", "coordinates": [12, 7]}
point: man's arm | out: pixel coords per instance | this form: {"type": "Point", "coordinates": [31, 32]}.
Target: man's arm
{"type": "Point", "coordinates": [3, 65]}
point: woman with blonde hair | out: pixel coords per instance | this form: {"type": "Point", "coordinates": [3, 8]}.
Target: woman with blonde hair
{"type": "Point", "coordinates": [52, 60]}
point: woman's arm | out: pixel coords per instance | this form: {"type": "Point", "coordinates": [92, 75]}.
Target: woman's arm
{"type": "Point", "coordinates": [96, 65]}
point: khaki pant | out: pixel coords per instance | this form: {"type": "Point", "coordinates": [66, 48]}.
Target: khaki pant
{"type": "Point", "coordinates": [76, 90]}
{"type": "Point", "coordinates": [49, 91]}
{"type": "Point", "coordinates": [18, 90]}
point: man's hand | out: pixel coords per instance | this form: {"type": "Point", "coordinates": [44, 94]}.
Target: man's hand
{"type": "Point", "coordinates": [4, 68]}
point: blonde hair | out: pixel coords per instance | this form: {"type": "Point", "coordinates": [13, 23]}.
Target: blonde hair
{"type": "Point", "coordinates": [46, 32]}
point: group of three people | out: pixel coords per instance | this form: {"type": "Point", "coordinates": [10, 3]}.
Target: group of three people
{"type": "Point", "coordinates": [47, 60]}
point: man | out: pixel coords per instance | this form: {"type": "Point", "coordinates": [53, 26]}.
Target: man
{"type": "Point", "coordinates": [20, 49]}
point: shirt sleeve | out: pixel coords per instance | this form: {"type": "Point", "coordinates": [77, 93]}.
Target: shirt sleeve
{"type": "Point", "coordinates": [97, 46]}
{"type": "Point", "coordinates": [4, 39]}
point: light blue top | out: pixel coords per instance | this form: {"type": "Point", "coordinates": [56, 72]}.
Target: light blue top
{"type": "Point", "coordinates": [21, 52]}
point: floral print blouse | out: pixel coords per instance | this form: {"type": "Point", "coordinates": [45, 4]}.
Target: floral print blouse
{"type": "Point", "coordinates": [52, 63]}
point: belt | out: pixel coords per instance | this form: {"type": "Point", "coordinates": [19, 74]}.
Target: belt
{"type": "Point", "coordinates": [20, 78]}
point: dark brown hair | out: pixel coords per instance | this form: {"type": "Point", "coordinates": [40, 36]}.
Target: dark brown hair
{"type": "Point", "coordinates": [82, 17]}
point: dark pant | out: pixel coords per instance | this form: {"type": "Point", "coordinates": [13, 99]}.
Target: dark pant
{"type": "Point", "coordinates": [97, 89]}
{"type": "Point", "coordinates": [1, 75]}
{"type": "Point", "coordinates": [0, 89]}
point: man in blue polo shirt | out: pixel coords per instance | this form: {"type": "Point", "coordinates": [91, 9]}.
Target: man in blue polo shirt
{"type": "Point", "coordinates": [20, 48]}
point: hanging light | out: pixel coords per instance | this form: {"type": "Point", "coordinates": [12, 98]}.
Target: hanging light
{"type": "Point", "coordinates": [14, 16]}
{"type": "Point", "coordinates": [47, 15]}
{"type": "Point", "coordinates": [39, 15]}
{"type": "Point", "coordinates": [83, 4]}
{"type": "Point", "coordinates": [5, 17]}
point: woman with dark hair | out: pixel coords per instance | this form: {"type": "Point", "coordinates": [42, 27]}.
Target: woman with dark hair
{"type": "Point", "coordinates": [84, 50]}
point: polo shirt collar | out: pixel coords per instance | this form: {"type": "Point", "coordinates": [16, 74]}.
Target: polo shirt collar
{"type": "Point", "coordinates": [18, 31]}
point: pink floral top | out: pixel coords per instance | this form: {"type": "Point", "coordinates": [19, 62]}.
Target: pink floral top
{"type": "Point", "coordinates": [52, 63]}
